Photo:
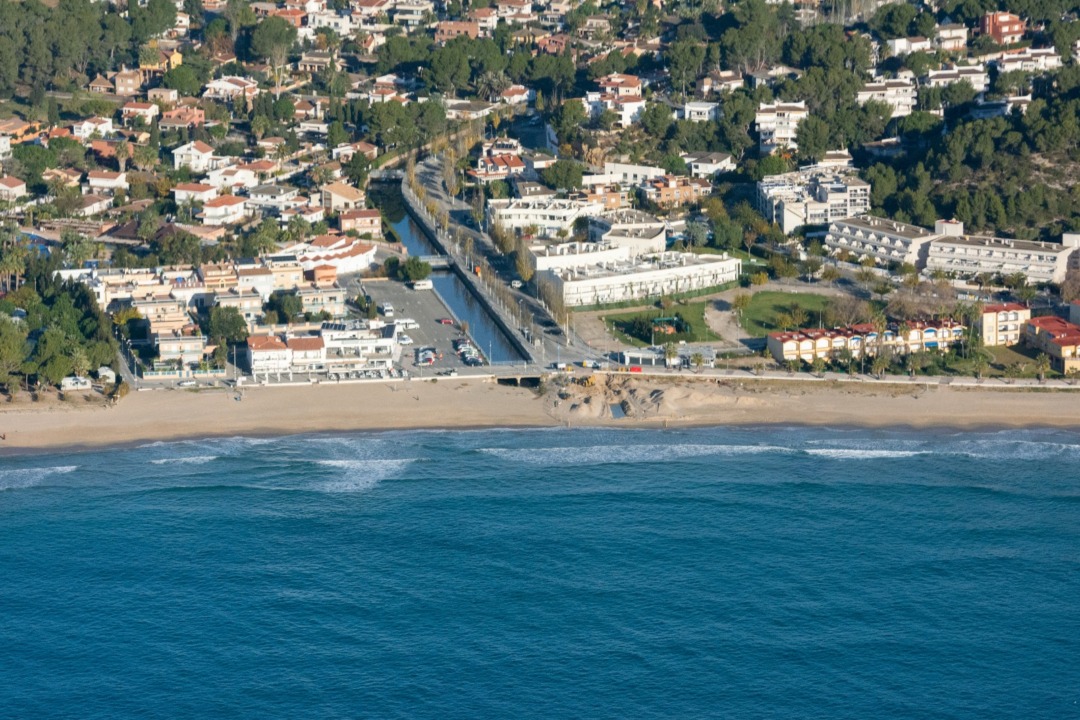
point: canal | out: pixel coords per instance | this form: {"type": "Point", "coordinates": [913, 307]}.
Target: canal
{"type": "Point", "coordinates": [488, 337]}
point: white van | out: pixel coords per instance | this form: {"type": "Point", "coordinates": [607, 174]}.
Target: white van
{"type": "Point", "coordinates": [422, 285]}
{"type": "Point", "coordinates": [387, 310]}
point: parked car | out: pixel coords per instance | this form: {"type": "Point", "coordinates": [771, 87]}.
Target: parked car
{"type": "Point", "coordinates": [186, 383]}
{"type": "Point", "coordinates": [446, 321]}
{"type": "Point", "coordinates": [404, 340]}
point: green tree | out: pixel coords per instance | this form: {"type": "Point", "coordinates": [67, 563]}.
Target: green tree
{"type": "Point", "coordinates": [563, 175]}
{"type": "Point", "coordinates": [227, 325]}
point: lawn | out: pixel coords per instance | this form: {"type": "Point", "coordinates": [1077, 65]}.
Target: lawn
{"type": "Point", "coordinates": [759, 319]}
{"type": "Point", "coordinates": [693, 314]}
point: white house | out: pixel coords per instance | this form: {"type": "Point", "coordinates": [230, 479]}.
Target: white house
{"type": "Point", "coordinates": [103, 182]}
{"type": "Point", "coordinates": [197, 156]}
{"type": "Point", "coordinates": [83, 129]}
{"type": "Point", "coordinates": [899, 94]}
{"type": "Point", "coordinates": [11, 188]}
{"type": "Point", "coordinates": [699, 111]}
{"type": "Point", "coordinates": [231, 88]}
{"type": "Point", "coordinates": [224, 210]}
{"type": "Point", "coordinates": [708, 164]}
{"type": "Point", "coordinates": [194, 192]}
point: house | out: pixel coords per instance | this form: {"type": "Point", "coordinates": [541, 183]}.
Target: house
{"type": "Point", "coordinates": [224, 210]}
{"type": "Point", "coordinates": [90, 205]}
{"type": "Point", "coordinates": [1029, 60]}
{"type": "Point", "coordinates": [721, 81]}
{"type": "Point", "coordinates": [18, 130]}
{"type": "Point", "coordinates": [1004, 28]}
{"type": "Point", "coordinates": [307, 354]}
{"type": "Point", "coordinates": [234, 177]}
{"type": "Point", "coordinates": [344, 152]}
{"type": "Point", "coordinates": [196, 156]}
{"type": "Point", "coordinates": [340, 196]}
{"type": "Point", "coordinates": [273, 197]}
{"type": "Point", "coordinates": [517, 95]}
{"type": "Point", "coordinates": [329, 299]}
{"type": "Point", "coordinates": [266, 354]}
{"type": "Point", "coordinates": [127, 83]}
{"type": "Point", "coordinates": [259, 279]}
{"type": "Point", "coordinates": [777, 125]}
{"type": "Point", "coordinates": [412, 13]}
{"type": "Point", "coordinates": [497, 167]}
{"type": "Point", "coordinates": [906, 46]}
{"type": "Point", "coordinates": [182, 118]}
{"type": "Point", "coordinates": [103, 182]}
{"type": "Point", "coordinates": [11, 188]}
{"type": "Point", "coordinates": [99, 126]}
{"type": "Point", "coordinates": [101, 85]}
{"type": "Point", "coordinates": [162, 95]}
{"type": "Point", "coordinates": [951, 37]}
{"type": "Point", "coordinates": [64, 177]}
{"type": "Point", "coordinates": [1058, 338]}
{"type": "Point", "coordinates": [619, 93]}
{"type": "Point", "coordinates": [231, 87]}
{"type": "Point", "coordinates": [1003, 323]}
{"type": "Point", "coordinates": [447, 30]}
{"type": "Point", "coordinates": [708, 164]}
{"type": "Point", "coordinates": [308, 213]}
{"type": "Point", "coordinates": [186, 193]}
{"type": "Point", "coordinates": [316, 61]}
{"type": "Point", "coordinates": [133, 111]}
{"type": "Point", "coordinates": [363, 222]}
{"type": "Point", "coordinates": [699, 111]}
{"type": "Point", "coordinates": [467, 109]}
{"type": "Point", "coordinates": [673, 190]}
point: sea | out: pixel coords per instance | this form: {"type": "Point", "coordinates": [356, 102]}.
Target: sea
{"type": "Point", "coordinates": [763, 572]}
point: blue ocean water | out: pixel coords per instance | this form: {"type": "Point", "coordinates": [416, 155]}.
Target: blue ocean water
{"type": "Point", "coordinates": [730, 573]}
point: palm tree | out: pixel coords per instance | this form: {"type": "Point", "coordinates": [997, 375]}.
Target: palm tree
{"type": "Point", "coordinates": [670, 353]}
{"type": "Point", "coordinates": [978, 364]}
{"type": "Point", "coordinates": [1042, 366]}
{"type": "Point", "coordinates": [818, 366]}
{"type": "Point", "coordinates": [698, 360]}
{"type": "Point", "coordinates": [123, 154]}
{"type": "Point", "coordinates": [879, 365]}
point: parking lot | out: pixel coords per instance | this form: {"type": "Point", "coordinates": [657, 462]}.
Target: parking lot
{"type": "Point", "coordinates": [425, 307]}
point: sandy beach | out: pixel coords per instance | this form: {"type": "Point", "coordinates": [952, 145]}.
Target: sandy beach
{"type": "Point", "coordinates": [459, 403]}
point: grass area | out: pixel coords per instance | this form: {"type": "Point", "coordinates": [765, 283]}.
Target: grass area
{"type": "Point", "coordinates": [693, 314]}
{"type": "Point", "coordinates": [760, 318]}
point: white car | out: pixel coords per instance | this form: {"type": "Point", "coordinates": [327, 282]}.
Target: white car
{"type": "Point", "coordinates": [404, 340]}
{"type": "Point", "coordinates": [186, 383]}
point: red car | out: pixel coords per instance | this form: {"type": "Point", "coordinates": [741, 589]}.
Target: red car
{"type": "Point", "coordinates": [446, 321]}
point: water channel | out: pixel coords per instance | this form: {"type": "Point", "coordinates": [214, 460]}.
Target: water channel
{"type": "Point", "coordinates": [488, 337]}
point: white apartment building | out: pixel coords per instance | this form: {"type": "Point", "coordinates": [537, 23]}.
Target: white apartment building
{"type": "Point", "coordinates": [1003, 324]}
{"type": "Point", "coordinates": [625, 175]}
{"type": "Point", "coordinates": [886, 241]}
{"type": "Point", "coordinates": [644, 277]}
{"type": "Point", "coordinates": [622, 94]}
{"type": "Point", "coordinates": [949, 74]}
{"type": "Point", "coordinates": [777, 125]}
{"type": "Point", "coordinates": [899, 94]}
{"type": "Point", "coordinates": [1028, 59]}
{"type": "Point", "coordinates": [566, 255]}
{"type": "Point", "coordinates": [967, 256]}
{"type": "Point", "coordinates": [548, 216]}
{"type": "Point", "coordinates": [639, 232]}
{"type": "Point", "coordinates": [811, 197]}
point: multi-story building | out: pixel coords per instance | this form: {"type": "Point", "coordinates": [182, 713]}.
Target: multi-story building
{"type": "Point", "coordinates": [777, 125]}
{"type": "Point", "coordinates": [1030, 60]}
{"type": "Point", "coordinates": [196, 156]}
{"type": "Point", "coordinates": [811, 197]}
{"type": "Point", "coordinates": [951, 37]}
{"type": "Point", "coordinates": [224, 210]}
{"type": "Point", "coordinates": [899, 94]}
{"type": "Point", "coordinates": [863, 339]}
{"type": "Point", "coordinates": [548, 217]}
{"type": "Point", "coordinates": [622, 94]}
{"type": "Point", "coordinates": [643, 277]}
{"type": "Point", "coordinates": [1058, 338]}
{"type": "Point", "coordinates": [967, 256]}
{"type": "Point", "coordinates": [447, 30]}
{"type": "Point", "coordinates": [949, 74]}
{"type": "Point", "coordinates": [364, 222]}
{"type": "Point", "coordinates": [1005, 28]}
{"type": "Point", "coordinates": [345, 254]}
{"type": "Point", "coordinates": [639, 232]}
{"type": "Point", "coordinates": [11, 188]}
{"type": "Point", "coordinates": [555, 255]}
{"type": "Point", "coordinates": [708, 164]}
{"type": "Point", "coordinates": [339, 196]}
{"type": "Point", "coordinates": [1003, 324]}
{"type": "Point", "coordinates": [698, 111]}
{"type": "Point", "coordinates": [908, 45]}
{"type": "Point", "coordinates": [674, 190]}
{"type": "Point", "coordinates": [886, 241]}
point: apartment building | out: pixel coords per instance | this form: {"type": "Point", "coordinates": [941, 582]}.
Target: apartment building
{"type": "Point", "coordinates": [1030, 60]}
{"type": "Point", "coordinates": [967, 256]}
{"type": "Point", "coordinates": [1003, 323]}
{"type": "Point", "coordinates": [1058, 338]}
{"type": "Point", "coordinates": [639, 232]}
{"type": "Point", "coordinates": [951, 37]}
{"type": "Point", "coordinates": [899, 94]}
{"type": "Point", "coordinates": [777, 124]}
{"type": "Point", "coordinates": [674, 190]}
{"type": "Point", "coordinates": [644, 277]}
{"type": "Point", "coordinates": [548, 217]}
{"type": "Point", "coordinates": [554, 255]}
{"type": "Point", "coordinates": [363, 222]}
{"type": "Point", "coordinates": [886, 241]}
{"type": "Point", "coordinates": [863, 339]}
{"type": "Point", "coordinates": [447, 30]}
{"type": "Point", "coordinates": [811, 197]}
{"type": "Point", "coordinates": [708, 164]}
{"type": "Point", "coordinates": [949, 74]}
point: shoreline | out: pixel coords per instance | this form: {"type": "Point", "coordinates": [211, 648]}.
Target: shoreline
{"type": "Point", "coordinates": [461, 404]}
